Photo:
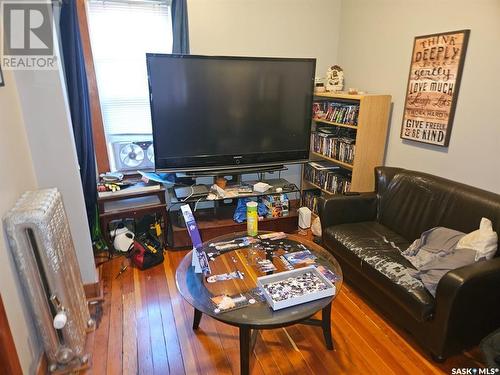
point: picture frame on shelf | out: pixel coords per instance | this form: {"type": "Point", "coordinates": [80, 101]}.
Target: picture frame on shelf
{"type": "Point", "coordinates": [436, 67]}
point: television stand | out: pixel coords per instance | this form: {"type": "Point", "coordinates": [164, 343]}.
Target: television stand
{"type": "Point", "coordinates": [214, 222]}
{"type": "Point", "coordinates": [218, 220]}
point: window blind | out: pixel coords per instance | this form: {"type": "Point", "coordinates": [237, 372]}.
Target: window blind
{"type": "Point", "coordinates": [122, 32]}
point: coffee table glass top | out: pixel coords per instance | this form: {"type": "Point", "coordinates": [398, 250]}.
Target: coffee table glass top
{"type": "Point", "coordinates": [198, 292]}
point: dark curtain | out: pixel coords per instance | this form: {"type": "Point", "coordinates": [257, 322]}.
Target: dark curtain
{"type": "Point", "coordinates": [78, 96]}
{"type": "Point", "coordinates": [180, 28]}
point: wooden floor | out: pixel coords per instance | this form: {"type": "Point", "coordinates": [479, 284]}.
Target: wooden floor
{"type": "Point", "coordinates": [145, 328]}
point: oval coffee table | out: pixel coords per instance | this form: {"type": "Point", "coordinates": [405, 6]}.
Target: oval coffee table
{"type": "Point", "coordinates": [198, 292]}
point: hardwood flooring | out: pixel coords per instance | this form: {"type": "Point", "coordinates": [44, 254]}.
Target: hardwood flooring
{"type": "Point", "coordinates": [145, 328]}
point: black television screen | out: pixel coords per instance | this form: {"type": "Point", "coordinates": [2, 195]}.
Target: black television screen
{"type": "Point", "coordinates": [210, 112]}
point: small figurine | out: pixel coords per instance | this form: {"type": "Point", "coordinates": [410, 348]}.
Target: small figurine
{"type": "Point", "coordinates": [334, 78]}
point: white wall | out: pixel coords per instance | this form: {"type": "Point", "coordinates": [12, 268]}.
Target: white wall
{"type": "Point", "coordinates": [45, 108]}
{"type": "Point", "coordinates": [277, 28]}
{"type": "Point", "coordinates": [376, 39]}
{"type": "Point", "coordinates": [17, 177]}
{"type": "Point", "coordinates": [50, 136]}
{"type": "Point", "coordinates": [37, 147]}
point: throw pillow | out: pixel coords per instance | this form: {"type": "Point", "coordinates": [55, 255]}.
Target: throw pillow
{"type": "Point", "coordinates": [484, 240]}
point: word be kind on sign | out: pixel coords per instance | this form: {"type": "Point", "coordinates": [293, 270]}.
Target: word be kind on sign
{"type": "Point", "coordinates": [433, 83]}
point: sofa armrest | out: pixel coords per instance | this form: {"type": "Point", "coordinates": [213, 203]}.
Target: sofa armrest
{"type": "Point", "coordinates": [343, 209]}
{"type": "Point", "coordinates": [468, 304]}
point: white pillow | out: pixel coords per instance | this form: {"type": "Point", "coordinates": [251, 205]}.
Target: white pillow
{"type": "Point", "coordinates": [484, 240]}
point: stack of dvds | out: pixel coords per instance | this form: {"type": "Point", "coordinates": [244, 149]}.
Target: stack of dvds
{"type": "Point", "coordinates": [342, 113]}
{"type": "Point", "coordinates": [316, 171]}
{"type": "Point", "coordinates": [330, 178]}
{"type": "Point", "coordinates": [310, 200]}
{"type": "Point", "coordinates": [334, 143]}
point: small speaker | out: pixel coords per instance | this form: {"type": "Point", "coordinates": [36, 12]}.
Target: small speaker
{"type": "Point", "coordinates": [304, 217]}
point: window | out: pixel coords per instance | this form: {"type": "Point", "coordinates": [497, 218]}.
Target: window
{"type": "Point", "coordinates": [121, 33]}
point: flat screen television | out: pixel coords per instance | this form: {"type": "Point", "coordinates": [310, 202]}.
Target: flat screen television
{"type": "Point", "coordinates": [214, 113]}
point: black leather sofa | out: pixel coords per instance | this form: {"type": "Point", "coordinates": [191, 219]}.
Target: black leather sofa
{"type": "Point", "coordinates": [364, 231]}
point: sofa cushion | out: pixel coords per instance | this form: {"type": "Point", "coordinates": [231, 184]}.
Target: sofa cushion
{"type": "Point", "coordinates": [376, 247]}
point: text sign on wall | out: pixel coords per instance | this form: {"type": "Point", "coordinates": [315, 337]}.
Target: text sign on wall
{"type": "Point", "coordinates": [435, 73]}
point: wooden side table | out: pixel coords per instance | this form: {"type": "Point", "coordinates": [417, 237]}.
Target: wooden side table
{"type": "Point", "coordinates": [134, 202]}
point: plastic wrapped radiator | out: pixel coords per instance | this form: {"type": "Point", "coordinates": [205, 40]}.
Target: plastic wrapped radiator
{"type": "Point", "coordinates": [41, 244]}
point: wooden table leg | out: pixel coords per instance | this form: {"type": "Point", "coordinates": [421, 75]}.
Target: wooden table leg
{"type": "Point", "coordinates": [196, 318]}
{"type": "Point", "coordinates": [245, 336]}
{"type": "Point", "coordinates": [326, 325]}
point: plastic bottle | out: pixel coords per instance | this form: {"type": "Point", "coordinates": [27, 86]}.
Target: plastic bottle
{"type": "Point", "coordinates": [252, 219]}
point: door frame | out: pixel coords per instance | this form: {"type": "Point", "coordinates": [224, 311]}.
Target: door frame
{"type": "Point", "coordinates": [9, 360]}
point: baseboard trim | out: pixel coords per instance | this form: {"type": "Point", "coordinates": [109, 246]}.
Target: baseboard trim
{"type": "Point", "coordinates": [9, 360]}
{"type": "Point", "coordinates": [95, 291]}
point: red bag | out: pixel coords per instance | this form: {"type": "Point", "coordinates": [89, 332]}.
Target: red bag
{"type": "Point", "coordinates": [145, 255]}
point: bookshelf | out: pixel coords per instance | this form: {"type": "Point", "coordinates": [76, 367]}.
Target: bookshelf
{"type": "Point", "coordinates": [360, 119]}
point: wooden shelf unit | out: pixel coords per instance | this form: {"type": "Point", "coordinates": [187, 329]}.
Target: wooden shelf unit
{"type": "Point", "coordinates": [371, 134]}
{"type": "Point", "coordinates": [314, 186]}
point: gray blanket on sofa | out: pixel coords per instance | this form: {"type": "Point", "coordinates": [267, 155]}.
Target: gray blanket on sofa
{"type": "Point", "coordinates": [434, 254]}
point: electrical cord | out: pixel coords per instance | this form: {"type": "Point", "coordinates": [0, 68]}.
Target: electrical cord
{"type": "Point", "coordinates": [173, 205]}
{"type": "Point", "coordinates": [185, 199]}
{"type": "Point", "coordinates": [190, 195]}
{"type": "Point", "coordinates": [196, 203]}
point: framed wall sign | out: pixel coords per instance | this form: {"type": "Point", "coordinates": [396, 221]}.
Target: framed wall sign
{"type": "Point", "coordinates": [433, 84]}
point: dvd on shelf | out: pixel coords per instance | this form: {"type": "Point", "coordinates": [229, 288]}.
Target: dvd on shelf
{"type": "Point", "coordinates": [328, 177]}
{"type": "Point", "coordinates": [310, 200]}
{"type": "Point", "coordinates": [342, 113]}
{"type": "Point", "coordinates": [334, 143]}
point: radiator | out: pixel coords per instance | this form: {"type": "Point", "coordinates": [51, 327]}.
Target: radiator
{"type": "Point", "coordinates": [40, 240]}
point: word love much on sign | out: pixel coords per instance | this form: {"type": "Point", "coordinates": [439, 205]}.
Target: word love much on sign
{"type": "Point", "coordinates": [435, 73]}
